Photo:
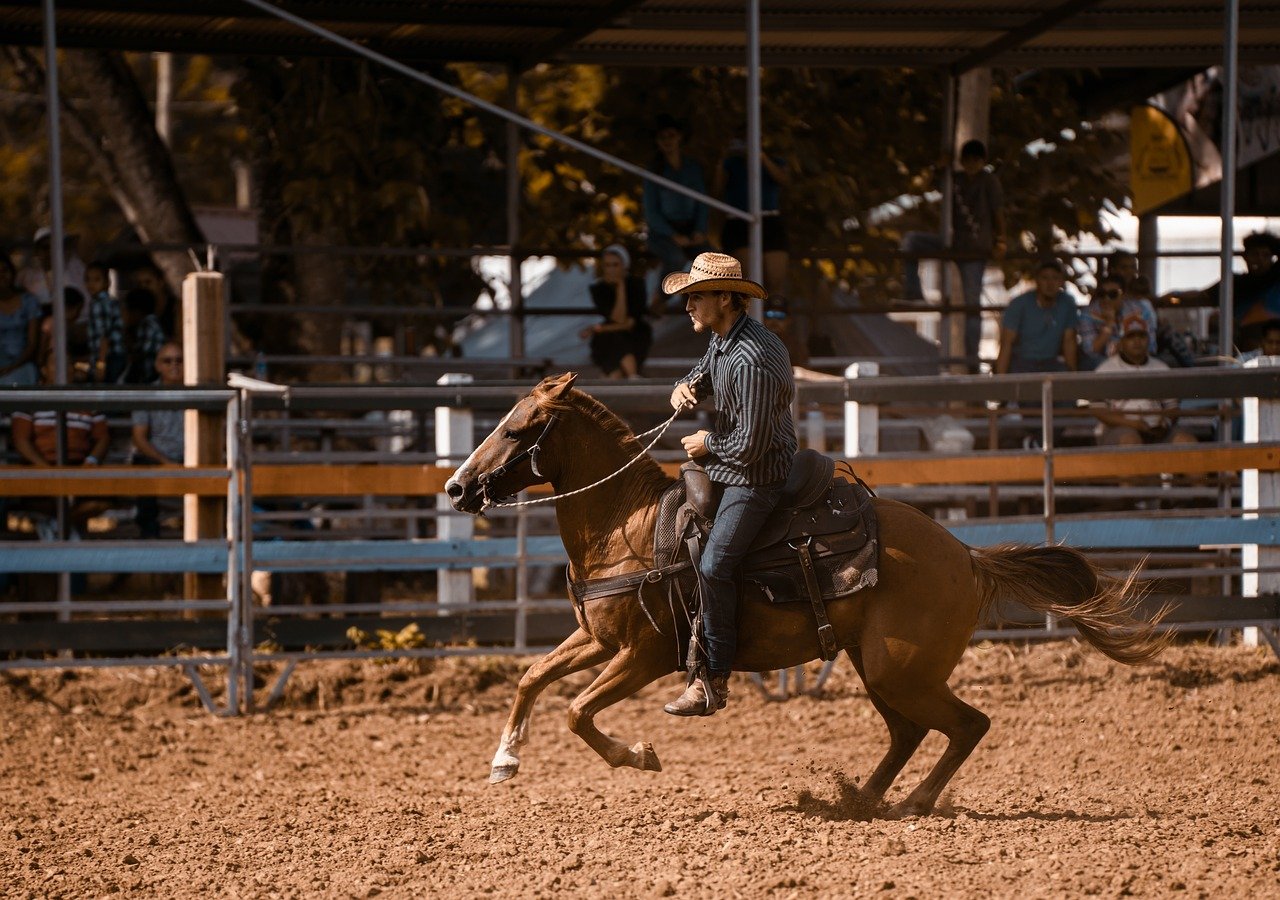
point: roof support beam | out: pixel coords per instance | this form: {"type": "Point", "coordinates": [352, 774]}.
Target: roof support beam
{"type": "Point", "coordinates": [494, 109]}
{"type": "Point", "coordinates": [1019, 36]}
{"type": "Point", "coordinates": [571, 36]}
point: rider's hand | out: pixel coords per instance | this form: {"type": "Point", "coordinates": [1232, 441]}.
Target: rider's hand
{"type": "Point", "coordinates": [695, 444]}
{"type": "Point", "coordinates": [683, 398]}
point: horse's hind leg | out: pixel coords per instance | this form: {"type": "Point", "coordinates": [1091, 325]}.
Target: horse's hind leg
{"type": "Point", "coordinates": [578, 651]}
{"type": "Point", "coordinates": [626, 673]}
{"type": "Point", "coordinates": [937, 708]}
{"type": "Point", "coordinates": [904, 737]}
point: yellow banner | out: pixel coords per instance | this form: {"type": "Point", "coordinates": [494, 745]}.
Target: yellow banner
{"type": "Point", "coordinates": [1159, 164]}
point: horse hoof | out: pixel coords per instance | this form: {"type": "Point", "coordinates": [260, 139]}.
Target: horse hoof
{"type": "Point", "coordinates": [503, 773]}
{"type": "Point", "coordinates": [646, 759]}
{"type": "Point", "coordinates": [906, 809]}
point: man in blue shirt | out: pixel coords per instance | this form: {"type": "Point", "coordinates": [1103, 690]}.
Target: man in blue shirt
{"type": "Point", "coordinates": [748, 455]}
{"type": "Point", "coordinates": [1038, 331]}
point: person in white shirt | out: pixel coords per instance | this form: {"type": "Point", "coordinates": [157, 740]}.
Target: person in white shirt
{"type": "Point", "coordinates": [1134, 421]}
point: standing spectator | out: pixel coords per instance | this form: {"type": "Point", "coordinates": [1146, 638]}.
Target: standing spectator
{"type": "Point", "coordinates": [143, 336]}
{"type": "Point", "coordinates": [620, 344]}
{"type": "Point", "coordinates": [677, 223]}
{"type": "Point", "coordinates": [1038, 331]}
{"type": "Point", "coordinates": [149, 278]}
{"type": "Point", "coordinates": [107, 357]}
{"type": "Point", "coordinates": [1255, 292]}
{"type": "Point", "coordinates": [19, 329]}
{"type": "Point", "coordinates": [735, 236]}
{"type": "Point", "coordinates": [158, 436]}
{"type": "Point", "coordinates": [978, 235]}
{"type": "Point", "coordinates": [37, 277]}
{"type": "Point", "coordinates": [1137, 420]}
{"type": "Point", "coordinates": [1100, 321]}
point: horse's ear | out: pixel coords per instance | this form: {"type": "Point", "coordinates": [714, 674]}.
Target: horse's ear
{"type": "Point", "coordinates": [556, 387]}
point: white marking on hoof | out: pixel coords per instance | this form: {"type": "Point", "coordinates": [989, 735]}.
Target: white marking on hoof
{"type": "Point", "coordinates": [503, 773]}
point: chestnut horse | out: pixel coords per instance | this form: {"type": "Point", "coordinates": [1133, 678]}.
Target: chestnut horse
{"type": "Point", "coordinates": [904, 635]}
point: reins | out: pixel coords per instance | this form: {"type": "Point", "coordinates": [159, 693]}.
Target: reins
{"type": "Point", "coordinates": [660, 429]}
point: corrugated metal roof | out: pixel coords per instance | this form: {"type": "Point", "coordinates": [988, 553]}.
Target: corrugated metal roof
{"type": "Point", "coordinates": [668, 32]}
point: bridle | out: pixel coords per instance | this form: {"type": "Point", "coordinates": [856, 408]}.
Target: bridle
{"type": "Point", "coordinates": [530, 453]}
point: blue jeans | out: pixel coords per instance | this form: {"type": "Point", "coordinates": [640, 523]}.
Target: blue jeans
{"type": "Point", "coordinates": [971, 272]}
{"type": "Point", "coordinates": [743, 511]}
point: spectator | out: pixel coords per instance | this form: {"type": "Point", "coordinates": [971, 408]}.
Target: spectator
{"type": "Point", "coordinates": [620, 344]}
{"type": "Point", "coordinates": [1100, 320]}
{"type": "Point", "coordinates": [1038, 330]}
{"type": "Point", "coordinates": [1123, 265]}
{"type": "Point", "coordinates": [107, 357]}
{"type": "Point", "coordinates": [778, 319]}
{"type": "Point", "coordinates": [1268, 346]}
{"type": "Point", "coordinates": [34, 436]}
{"type": "Point", "coordinates": [1137, 420]}
{"type": "Point", "coordinates": [1255, 292]}
{"type": "Point", "coordinates": [149, 278]}
{"type": "Point", "coordinates": [143, 336]}
{"type": "Point", "coordinates": [978, 230]}
{"type": "Point", "coordinates": [73, 306]}
{"type": "Point", "coordinates": [677, 223]}
{"type": "Point", "coordinates": [37, 277]}
{"type": "Point", "coordinates": [158, 436]}
{"type": "Point", "coordinates": [19, 329]}
{"type": "Point", "coordinates": [735, 236]}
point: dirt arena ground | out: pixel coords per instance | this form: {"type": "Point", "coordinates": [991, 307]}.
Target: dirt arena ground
{"type": "Point", "coordinates": [370, 780]}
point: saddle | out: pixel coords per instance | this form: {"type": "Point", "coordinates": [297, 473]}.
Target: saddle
{"type": "Point", "coordinates": [822, 543]}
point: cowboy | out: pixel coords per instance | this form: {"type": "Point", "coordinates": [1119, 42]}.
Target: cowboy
{"type": "Point", "coordinates": [748, 455]}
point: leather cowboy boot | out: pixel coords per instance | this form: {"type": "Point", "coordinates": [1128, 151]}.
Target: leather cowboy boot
{"type": "Point", "coordinates": [703, 697]}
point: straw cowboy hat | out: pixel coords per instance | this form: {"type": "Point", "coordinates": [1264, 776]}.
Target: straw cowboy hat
{"type": "Point", "coordinates": [713, 272]}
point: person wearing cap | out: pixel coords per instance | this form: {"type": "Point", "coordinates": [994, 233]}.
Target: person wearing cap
{"type": "Point", "coordinates": [1038, 330]}
{"type": "Point", "coordinates": [747, 455]}
{"type": "Point", "coordinates": [37, 277]}
{"type": "Point", "coordinates": [620, 343]}
{"type": "Point", "coordinates": [1137, 420]}
{"type": "Point", "coordinates": [1100, 320]}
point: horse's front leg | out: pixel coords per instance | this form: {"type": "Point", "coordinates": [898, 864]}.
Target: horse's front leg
{"type": "Point", "coordinates": [578, 651]}
{"type": "Point", "coordinates": [630, 670]}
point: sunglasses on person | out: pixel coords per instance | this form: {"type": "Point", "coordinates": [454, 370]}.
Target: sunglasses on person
{"type": "Point", "coordinates": [775, 313]}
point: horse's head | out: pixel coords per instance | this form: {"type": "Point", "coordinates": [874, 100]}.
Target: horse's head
{"type": "Point", "coordinates": [511, 458]}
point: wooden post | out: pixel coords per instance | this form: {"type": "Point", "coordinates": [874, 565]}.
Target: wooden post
{"type": "Point", "coordinates": [455, 439]}
{"type": "Point", "coordinates": [861, 420]}
{"type": "Point", "coordinates": [204, 365]}
{"type": "Point", "coordinates": [1259, 490]}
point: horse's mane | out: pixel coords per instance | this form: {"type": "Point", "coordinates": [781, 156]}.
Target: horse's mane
{"type": "Point", "coordinates": [598, 414]}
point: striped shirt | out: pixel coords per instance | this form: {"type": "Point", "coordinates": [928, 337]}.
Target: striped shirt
{"type": "Point", "coordinates": [754, 439]}
{"type": "Point", "coordinates": [84, 431]}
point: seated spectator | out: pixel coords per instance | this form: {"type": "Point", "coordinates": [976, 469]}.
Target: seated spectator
{"type": "Point", "coordinates": [620, 344]}
{"type": "Point", "coordinates": [1270, 344]}
{"type": "Point", "coordinates": [158, 436]}
{"type": "Point", "coordinates": [34, 435]}
{"type": "Point", "coordinates": [677, 223]}
{"type": "Point", "coordinates": [148, 277]}
{"type": "Point", "coordinates": [778, 319]}
{"type": "Point", "coordinates": [1100, 321]}
{"type": "Point", "coordinates": [73, 306]}
{"type": "Point", "coordinates": [735, 235]}
{"type": "Point", "coordinates": [19, 329]}
{"type": "Point", "coordinates": [107, 358]}
{"type": "Point", "coordinates": [143, 336]}
{"type": "Point", "coordinates": [1137, 420]}
{"type": "Point", "coordinates": [1038, 330]}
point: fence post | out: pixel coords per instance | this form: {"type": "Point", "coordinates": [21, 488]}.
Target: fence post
{"type": "Point", "coordinates": [861, 420]}
{"type": "Point", "coordinates": [1259, 490]}
{"type": "Point", "coordinates": [204, 354]}
{"type": "Point", "coordinates": [815, 430]}
{"type": "Point", "coordinates": [455, 439]}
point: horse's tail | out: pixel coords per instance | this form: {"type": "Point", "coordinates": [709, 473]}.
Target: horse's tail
{"type": "Point", "coordinates": [1062, 581]}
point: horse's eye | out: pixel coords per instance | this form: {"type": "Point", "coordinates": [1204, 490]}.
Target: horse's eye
{"type": "Point", "coordinates": [510, 435]}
